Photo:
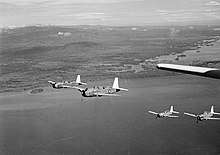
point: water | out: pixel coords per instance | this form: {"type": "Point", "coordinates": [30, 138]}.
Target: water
{"type": "Point", "coordinates": [203, 54]}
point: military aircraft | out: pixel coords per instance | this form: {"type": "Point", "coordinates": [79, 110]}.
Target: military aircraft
{"type": "Point", "coordinates": [201, 71]}
{"type": "Point", "coordinates": [67, 84]}
{"type": "Point", "coordinates": [166, 113]}
{"type": "Point", "coordinates": [205, 116]}
{"type": "Point", "coordinates": [99, 91]}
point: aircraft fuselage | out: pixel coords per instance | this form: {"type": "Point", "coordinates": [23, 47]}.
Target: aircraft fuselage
{"type": "Point", "coordinates": [91, 92]}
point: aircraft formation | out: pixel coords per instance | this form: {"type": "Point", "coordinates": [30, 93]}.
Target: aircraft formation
{"type": "Point", "coordinates": [200, 71]}
{"type": "Point", "coordinates": [207, 115]}
{"type": "Point", "coordinates": [99, 91]}
{"type": "Point", "coordinates": [96, 91]}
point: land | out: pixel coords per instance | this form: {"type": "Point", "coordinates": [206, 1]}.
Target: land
{"type": "Point", "coordinates": [36, 119]}
{"type": "Point", "coordinates": [31, 56]}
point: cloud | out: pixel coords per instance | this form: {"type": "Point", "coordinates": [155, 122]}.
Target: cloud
{"type": "Point", "coordinates": [213, 3]}
{"type": "Point", "coordinates": [61, 2]}
{"type": "Point", "coordinates": [80, 16]}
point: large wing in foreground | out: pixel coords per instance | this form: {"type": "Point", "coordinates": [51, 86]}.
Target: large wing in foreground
{"type": "Point", "coordinates": [152, 112]}
{"type": "Point", "coordinates": [103, 94]}
{"type": "Point", "coordinates": [193, 115]}
{"type": "Point", "coordinates": [201, 71]}
{"type": "Point", "coordinates": [211, 118]}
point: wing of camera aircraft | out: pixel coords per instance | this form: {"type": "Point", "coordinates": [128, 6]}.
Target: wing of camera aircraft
{"type": "Point", "coordinates": [200, 71]}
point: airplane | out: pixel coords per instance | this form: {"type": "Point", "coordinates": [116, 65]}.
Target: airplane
{"type": "Point", "coordinates": [205, 116]}
{"type": "Point", "coordinates": [166, 113]}
{"type": "Point", "coordinates": [200, 71]}
{"type": "Point", "coordinates": [99, 91]}
{"type": "Point", "coordinates": [67, 84]}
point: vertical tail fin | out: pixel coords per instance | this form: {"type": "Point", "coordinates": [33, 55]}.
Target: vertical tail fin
{"type": "Point", "coordinates": [78, 79]}
{"type": "Point", "coordinates": [171, 108]}
{"type": "Point", "coordinates": [116, 85]}
{"type": "Point", "coordinates": [212, 109]}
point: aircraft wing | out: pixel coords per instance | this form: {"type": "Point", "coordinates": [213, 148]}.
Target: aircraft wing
{"type": "Point", "coordinates": [211, 118]}
{"type": "Point", "coordinates": [51, 82]}
{"type": "Point", "coordinates": [65, 86]}
{"type": "Point", "coordinates": [103, 94]}
{"type": "Point", "coordinates": [75, 87]}
{"type": "Point", "coordinates": [201, 71]}
{"type": "Point", "coordinates": [193, 115]}
{"type": "Point", "coordinates": [152, 112]}
{"type": "Point", "coordinates": [172, 116]}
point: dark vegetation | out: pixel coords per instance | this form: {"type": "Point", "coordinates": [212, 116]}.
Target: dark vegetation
{"type": "Point", "coordinates": [31, 56]}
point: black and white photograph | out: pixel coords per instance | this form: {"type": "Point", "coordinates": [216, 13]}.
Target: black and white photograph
{"type": "Point", "coordinates": [109, 77]}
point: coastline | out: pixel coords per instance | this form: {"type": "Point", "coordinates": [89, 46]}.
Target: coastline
{"type": "Point", "coordinates": [96, 60]}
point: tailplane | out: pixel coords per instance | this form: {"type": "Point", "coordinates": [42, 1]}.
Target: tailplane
{"type": "Point", "coordinates": [212, 111]}
{"type": "Point", "coordinates": [171, 110]}
{"type": "Point", "coordinates": [78, 80]}
{"type": "Point", "coordinates": [116, 85]}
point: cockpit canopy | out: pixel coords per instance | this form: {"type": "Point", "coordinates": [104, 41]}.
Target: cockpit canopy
{"type": "Point", "coordinates": [166, 111]}
{"type": "Point", "coordinates": [99, 87]}
{"type": "Point", "coordinates": [206, 112]}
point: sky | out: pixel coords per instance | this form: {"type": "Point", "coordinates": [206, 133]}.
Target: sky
{"type": "Point", "coordinates": [109, 12]}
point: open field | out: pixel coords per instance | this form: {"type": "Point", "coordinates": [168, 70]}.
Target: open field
{"type": "Point", "coordinates": [57, 122]}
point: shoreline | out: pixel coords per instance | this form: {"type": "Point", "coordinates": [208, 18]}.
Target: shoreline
{"type": "Point", "coordinates": [95, 61]}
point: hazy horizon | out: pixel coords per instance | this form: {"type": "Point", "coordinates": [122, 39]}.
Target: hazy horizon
{"type": "Point", "coordinates": [109, 12]}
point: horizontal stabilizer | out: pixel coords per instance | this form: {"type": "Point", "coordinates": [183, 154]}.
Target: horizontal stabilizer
{"type": "Point", "coordinates": [123, 89]}
{"type": "Point", "coordinates": [175, 112]}
{"type": "Point", "coordinates": [193, 115]}
{"type": "Point", "coordinates": [152, 112]}
{"type": "Point", "coordinates": [216, 113]}
{"type": "Point", "coordinates": [172, 116]}
{"type": "Point", "coordinates": [211, 118]}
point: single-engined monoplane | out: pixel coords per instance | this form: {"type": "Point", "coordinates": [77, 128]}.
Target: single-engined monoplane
{"type": "Point", "coordinates": [166, 113]}
{"type": "Point", "coordinates": [207, 115]}
{"type": "Point", "coordinates": [99, 91]}
{"type": "Point", "coordinates": [67, 84]}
